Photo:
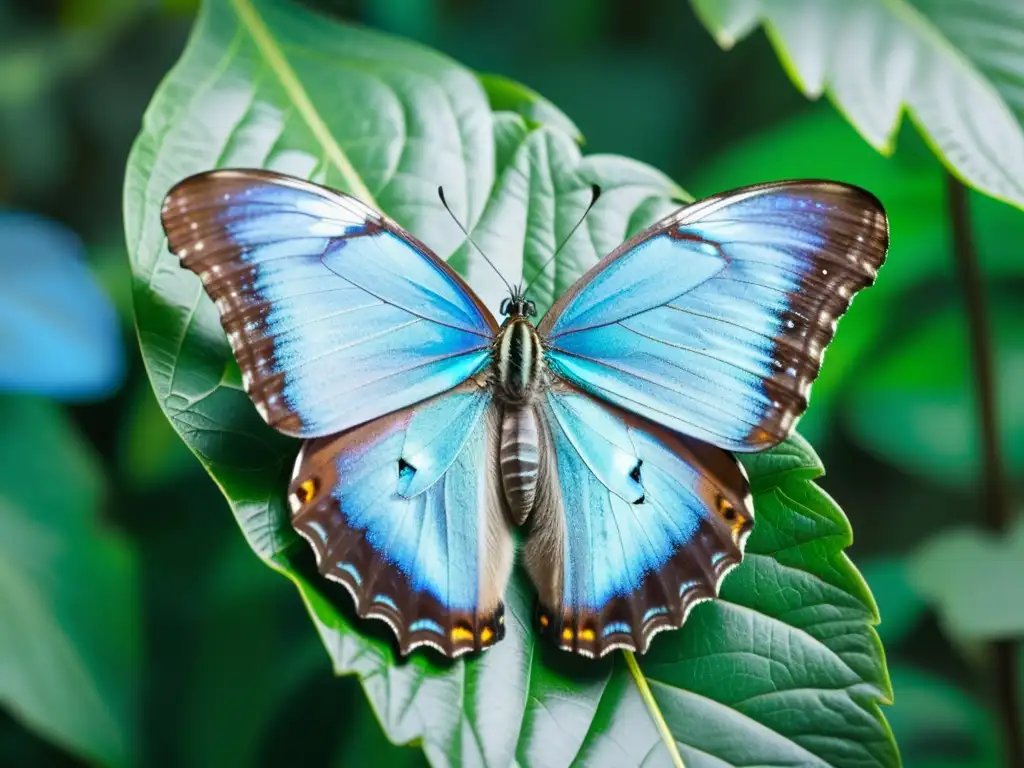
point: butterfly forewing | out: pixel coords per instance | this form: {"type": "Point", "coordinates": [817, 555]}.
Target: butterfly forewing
{"type": "Point", "coordinates": [725, 345]}
{"type": "Point", "coordinates": [309, 289]}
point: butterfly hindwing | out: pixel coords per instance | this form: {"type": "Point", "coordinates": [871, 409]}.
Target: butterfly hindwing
{"type": "Point", "coordinates": [714, 321]}
{"type": "Point", "coordinates": [633, 526]}
{"type": "Point", "coordinates": [405, 512]}
{"type": "Point", "coordinates": [335, 314]}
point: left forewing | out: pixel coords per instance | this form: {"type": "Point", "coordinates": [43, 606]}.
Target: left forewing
{"type": "Point", "coordinates": [335, 315]}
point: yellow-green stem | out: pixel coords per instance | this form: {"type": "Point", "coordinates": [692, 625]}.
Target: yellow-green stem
{"type": "Point", "coordinates": [652, 707]}
{"type": "Point", "coordinates": [270, 51]}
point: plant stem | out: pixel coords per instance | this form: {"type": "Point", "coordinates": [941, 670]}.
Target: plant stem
{"type": "Point", "coordinates": [993, 492]}
{"type": "Point", "coordinates": [270, 49]}
{"type": "Point", "coordinates": [652, 707]}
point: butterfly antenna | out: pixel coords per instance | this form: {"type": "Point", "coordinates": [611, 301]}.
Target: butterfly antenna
{"type": "Point", "coordinates": [440, 193]}
{"type": "Point", "coordinates": [595, 192]}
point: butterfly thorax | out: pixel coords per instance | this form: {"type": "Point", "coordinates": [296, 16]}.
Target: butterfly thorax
{"type": "Point", "coordinates": [518, 360]}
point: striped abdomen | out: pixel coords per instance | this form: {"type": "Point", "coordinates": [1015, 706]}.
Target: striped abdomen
{"type": "Point", "coordinates": [520, 457]}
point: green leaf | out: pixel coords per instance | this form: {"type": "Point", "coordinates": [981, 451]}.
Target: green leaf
{"type": "Point", "coordinates": [507, 95]}
{"type": "Point", "coordinates": [795, 630]}
{"type": "Point", "coordinates": [69, 650]}
{"type": "Point", "coordinates": [955, 67]}
{"type": "Point", "coordinates": [973, 578]}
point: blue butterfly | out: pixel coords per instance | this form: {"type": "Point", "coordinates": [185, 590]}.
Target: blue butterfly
{"type": "Point", "coordinates": [604, 430]}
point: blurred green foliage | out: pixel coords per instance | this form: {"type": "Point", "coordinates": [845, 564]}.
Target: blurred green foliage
{"type": "Point", "coordinates": [227, 668]}
{"type": "Point", "coordinates": [69, 602]}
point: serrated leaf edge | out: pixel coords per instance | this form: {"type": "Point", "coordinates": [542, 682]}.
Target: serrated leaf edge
{"type": "Point", "coordinates": [926, 32]}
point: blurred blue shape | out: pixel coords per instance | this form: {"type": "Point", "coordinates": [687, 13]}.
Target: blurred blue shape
{"type": "Point", "coordinates": [59, 333]}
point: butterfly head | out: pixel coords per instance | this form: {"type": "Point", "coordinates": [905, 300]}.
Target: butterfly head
{"type": "Point", "coordinates": [517, 305]}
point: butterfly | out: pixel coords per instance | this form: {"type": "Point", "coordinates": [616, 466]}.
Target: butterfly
{"type": "Point", "coordinates": [605, 432]}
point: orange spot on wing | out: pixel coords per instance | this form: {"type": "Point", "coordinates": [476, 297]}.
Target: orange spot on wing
{"type": "Point", "coordinates": [307, 490]}
{"type": "Point", "coordinates": [461, 634]}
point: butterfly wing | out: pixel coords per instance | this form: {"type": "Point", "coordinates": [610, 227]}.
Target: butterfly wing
{"type": "Point", "coordinates": [634, 524]}
{"type": "Point", "coordinates": [405, 513]}
{"type": "Point", "coordinates": [714, 321]}
{"type": "Point", "coordinates": [335, 314]}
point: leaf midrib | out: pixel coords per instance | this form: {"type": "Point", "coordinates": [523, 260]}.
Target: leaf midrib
{"type": "Point", "coordinates": [274, 57]}
{"type": "Point", "coordinates": [652, 706]}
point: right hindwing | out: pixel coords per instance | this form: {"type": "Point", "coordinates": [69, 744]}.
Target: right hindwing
{"type": "Point", "coordinates": [633, 525]}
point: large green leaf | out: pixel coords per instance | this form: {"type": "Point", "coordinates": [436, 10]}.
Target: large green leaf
{"type": "Point", "coordinates": [787, 668]}
{"type": "Point", "coordinates": [956, 67]}
{"type": "Point", "coordinates": [69, 614]}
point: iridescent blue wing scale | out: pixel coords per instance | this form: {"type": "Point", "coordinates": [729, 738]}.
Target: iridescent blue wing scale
{"type": "Point", "coordinates": [335, 314]}
{"type": "Point", "coordinates": [405, 513]}
{"type": "Point", "coordinates": [634, 524]}
{"type": "Point", "coordinates": [714, 321]}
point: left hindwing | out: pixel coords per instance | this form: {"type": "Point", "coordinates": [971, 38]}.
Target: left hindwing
{"type": "Point", "coordinates": [405, 512]}
{"type": "Point", "coordinates": [714, 321]}
{"type": "Point", "coordinates": [633, 525]}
